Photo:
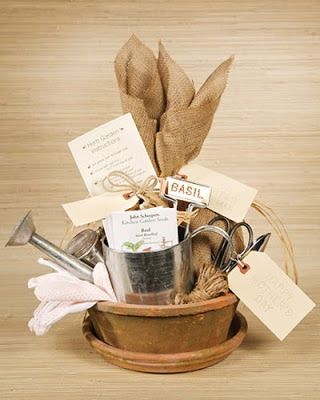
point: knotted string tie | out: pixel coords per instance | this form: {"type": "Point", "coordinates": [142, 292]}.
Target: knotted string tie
{"type": "Point", "coordinates": [130, 186]}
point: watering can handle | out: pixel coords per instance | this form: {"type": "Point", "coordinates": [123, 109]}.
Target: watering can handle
{"type": "Point", "coordinates": [213, 229]}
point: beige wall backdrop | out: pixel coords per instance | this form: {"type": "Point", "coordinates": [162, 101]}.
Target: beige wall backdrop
{"type": "Point", "coordinates": [57, 82]}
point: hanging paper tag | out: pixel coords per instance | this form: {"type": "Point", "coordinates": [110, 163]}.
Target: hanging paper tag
{"type": "Point", "coordinates": [270, 294]}
{"type": "Point", "coordinates": [229, 197]}
{"type": "Point", "coordinates": [98, 207]}
{"type": "Point", "coordinates": [116, 145]}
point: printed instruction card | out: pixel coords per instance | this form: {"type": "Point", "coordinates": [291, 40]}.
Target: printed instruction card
{"type": "Point", "coordinates": [114, 146]}
{"type": "Point", "coordinates": [143, 230]}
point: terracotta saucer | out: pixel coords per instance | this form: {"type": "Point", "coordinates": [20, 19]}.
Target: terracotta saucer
{"type": "Point", "coordinates": [169, 363]}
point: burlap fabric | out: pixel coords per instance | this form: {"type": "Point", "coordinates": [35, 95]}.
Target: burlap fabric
{"type": "Point", "coordinates": [172, 118]}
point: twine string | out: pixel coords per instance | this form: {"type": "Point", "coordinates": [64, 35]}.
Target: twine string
{"type": "Point", "coordinates": [111, 184]}
{"type": "Point", "coordinates": [144, 191]}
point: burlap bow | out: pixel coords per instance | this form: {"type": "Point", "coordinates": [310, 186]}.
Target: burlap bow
{"type": "Point", "coordinates": [172, 118]}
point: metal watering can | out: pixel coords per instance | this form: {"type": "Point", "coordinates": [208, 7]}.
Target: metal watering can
{"type": "Point", "coordinates": [137, 278]}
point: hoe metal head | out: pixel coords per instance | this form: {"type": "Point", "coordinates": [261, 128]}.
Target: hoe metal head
{"type": "Point", "coordinates": [23, 231]}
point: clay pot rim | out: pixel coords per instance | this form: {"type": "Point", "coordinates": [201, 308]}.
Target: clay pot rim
{"type": "Point", "coordinates": [145, 310]}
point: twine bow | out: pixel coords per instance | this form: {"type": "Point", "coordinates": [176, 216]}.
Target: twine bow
{"type": "Point", "coordinates": [130, 187]}
{"type": "Point", "coordinates": [146, 191]}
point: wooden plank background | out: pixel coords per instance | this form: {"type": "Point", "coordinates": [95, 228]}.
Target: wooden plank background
{"type": "Point", "coordinates": [57, 82]}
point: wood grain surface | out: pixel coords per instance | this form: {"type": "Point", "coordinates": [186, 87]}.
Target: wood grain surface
{"type": "Point", "coordinates": [57, 82]}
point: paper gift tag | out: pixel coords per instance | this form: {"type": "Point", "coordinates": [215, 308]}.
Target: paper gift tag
{"type": "Point", "coordinates": [98, 207]}
{"type": "Point", "coordinates": [229, 197]}
{"type": "Point", "coordinates": [116, 145]}
{"type": "Point", "coordinates": [270, 294]}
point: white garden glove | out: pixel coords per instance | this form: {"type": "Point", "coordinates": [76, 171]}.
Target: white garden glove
{"type": "Point", "coordinates": [61, 293]}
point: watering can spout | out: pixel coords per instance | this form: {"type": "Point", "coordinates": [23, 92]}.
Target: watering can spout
{"type": "Point", "coordinates": [23, 232]}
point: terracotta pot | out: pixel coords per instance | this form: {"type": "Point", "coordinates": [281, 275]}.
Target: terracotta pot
{"type": "Point", "coordinates": [164, 329]}
{"type": "Point", "coordinates": [169, 363]}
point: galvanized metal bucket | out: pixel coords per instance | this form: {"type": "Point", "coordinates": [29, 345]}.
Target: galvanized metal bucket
{"type": "Point", "coordinates": [154, 277]}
